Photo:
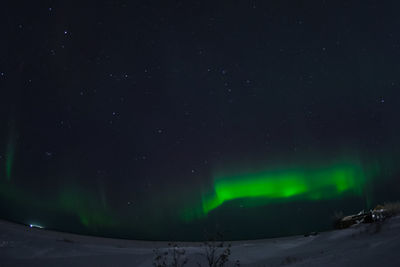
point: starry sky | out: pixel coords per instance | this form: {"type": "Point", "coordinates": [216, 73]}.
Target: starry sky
{"type": "Point", "coordinates": [157, 119]}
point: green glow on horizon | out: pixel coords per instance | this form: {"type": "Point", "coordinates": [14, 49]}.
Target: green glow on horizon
{"type": "Point", "coordinates": [302, 183]}
{"type": "Point", "coordinates": [72, 201]}
{"type": "Point", "coordinates": [90, 211]}
{"type": "Point", "coordinates": [312, 180]}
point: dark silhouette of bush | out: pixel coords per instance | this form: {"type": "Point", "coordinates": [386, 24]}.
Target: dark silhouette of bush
{"type": "Point", "coordinates": [216, 254]}
{"type": "Point", "coordinates": [174, 256]}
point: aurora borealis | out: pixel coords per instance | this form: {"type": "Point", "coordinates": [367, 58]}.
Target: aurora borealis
{"type": "Point", "coordinates": [324, 183]}
{"type": "Point", "coordinates": [311, 182]}
{"type": "Point", "coordinates": [159, 120]}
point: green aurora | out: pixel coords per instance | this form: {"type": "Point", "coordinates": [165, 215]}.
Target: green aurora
{"type": "Point", "coordinates": [71, 201]}
{"type": "Point", "coordinates": [253, 187]}
{"type": "Point", "coordinates": [310, 182]}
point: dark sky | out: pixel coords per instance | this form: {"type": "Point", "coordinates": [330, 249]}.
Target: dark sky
{"type": "Point", "coordinates": [114, 113]}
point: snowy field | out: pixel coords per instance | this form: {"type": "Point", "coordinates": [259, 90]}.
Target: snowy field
{"type": "Point", "coordinates": [363, 245]}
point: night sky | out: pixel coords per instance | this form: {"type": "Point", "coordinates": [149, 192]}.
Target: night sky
{"type": "Point", "coordinates": [175, 120]}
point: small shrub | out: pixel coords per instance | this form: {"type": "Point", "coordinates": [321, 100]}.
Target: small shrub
{"type": "Point", "coordinates": [174, 256]}
{"type": "Point", "coordinates": [217, 252]}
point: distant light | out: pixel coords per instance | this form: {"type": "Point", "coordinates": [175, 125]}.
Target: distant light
{"type": "Point", "coordinates": [35, 226]}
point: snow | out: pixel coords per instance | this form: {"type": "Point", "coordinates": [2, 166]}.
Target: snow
{"type": "Point", "coordinates": [362, 245]}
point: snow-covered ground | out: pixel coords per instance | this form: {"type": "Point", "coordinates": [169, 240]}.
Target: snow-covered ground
{"type": "Point", "coordinates": [364, 245]}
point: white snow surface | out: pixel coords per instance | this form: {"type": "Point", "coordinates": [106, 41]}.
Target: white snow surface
{"type": "Point", "coordinates": [362, 245]}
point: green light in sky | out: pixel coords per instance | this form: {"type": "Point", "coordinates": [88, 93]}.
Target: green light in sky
{"type": "Point", "coordinates": [305, 183]}
{"type": "Point", "coordinates": [89, 210]}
